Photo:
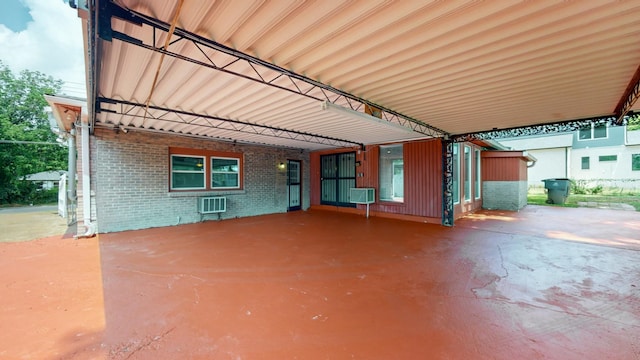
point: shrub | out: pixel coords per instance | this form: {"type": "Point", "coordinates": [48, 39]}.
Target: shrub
{"type": "Point", "coordinates": [596, 190]}
{"type": "Point", "coordinates": [579, 187]}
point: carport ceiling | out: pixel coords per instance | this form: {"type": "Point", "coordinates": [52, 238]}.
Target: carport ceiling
{"type": "Point", "coordinates": [432, 67]}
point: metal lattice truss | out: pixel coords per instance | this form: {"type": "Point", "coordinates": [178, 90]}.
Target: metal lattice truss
{"type": "Point", "coordinates": [538, 129]}
{"type": "Point", "coordinates": [263, 72]}
{"type": "Point", "coordinates": [629, 99]}
{"type": "Point", "coordinates": [447, 183]}
{"type": "Point", "coordinates": [206, 122]}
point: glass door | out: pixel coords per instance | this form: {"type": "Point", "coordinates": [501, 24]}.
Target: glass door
{"type": "Point", "coordinates": [294, 184]}
{"type": "Point", "coordinates": [337, 176]}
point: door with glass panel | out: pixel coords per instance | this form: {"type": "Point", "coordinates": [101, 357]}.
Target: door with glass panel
{"type": "Point", "coordinates": [294, 185]}
{"type": "Point", "coordinates": [337, 176]}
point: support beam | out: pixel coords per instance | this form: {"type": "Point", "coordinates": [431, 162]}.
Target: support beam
{"type": "Point", "coordinates": [447, 183]}
{"type": "Point", "coordinates": [139, 110]}
{"type": "Point", "coordinates": [282, 78]}
{"type": "Point", "coordinates": [629, 98]}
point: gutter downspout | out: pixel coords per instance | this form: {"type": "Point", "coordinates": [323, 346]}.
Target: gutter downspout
{"type": "Point", "coordinates": [71, 173]}
{"type": "Point", "coordinates": [90, 228]}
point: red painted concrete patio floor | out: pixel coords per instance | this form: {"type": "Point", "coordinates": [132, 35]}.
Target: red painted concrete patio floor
{"type": "Point", "coordinates": [544, 283]}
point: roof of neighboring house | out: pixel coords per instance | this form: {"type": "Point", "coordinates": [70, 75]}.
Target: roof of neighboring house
{"type": "Point", "coordinates": [53, 175]}
{"type": "Point", "coordinates": [490, 144]}
{"type": "Point", "coordinates": [509, 154]}
{"type": "Point", "coordinates": [66, 110]}
{"type": "Point", "coordinates": [539, 142]}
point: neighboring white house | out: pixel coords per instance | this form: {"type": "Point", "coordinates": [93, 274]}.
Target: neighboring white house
{"type": "Point", "coordinates": [46, 180]}
{"type": "Point", "coordinates": [600, 155]}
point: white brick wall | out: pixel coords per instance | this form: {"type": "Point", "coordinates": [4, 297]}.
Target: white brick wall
{"type": "Point", "coordinates": [132, 180]}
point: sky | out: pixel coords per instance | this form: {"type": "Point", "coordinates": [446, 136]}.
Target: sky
{"type": "Point", "coordinates": [45, 36]}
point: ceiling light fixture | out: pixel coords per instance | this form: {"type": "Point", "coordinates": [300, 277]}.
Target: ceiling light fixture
{"type": "Point", "coordinates": [340, 110]}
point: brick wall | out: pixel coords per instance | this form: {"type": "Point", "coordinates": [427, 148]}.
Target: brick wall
{"type": "Point", "coordinates": [504, 195]}
{"type": "Point", "coordinates": [130, 173]}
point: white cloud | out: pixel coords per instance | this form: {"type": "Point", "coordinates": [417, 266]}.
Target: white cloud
{"type": "Point", "coordinates": [52, 44]}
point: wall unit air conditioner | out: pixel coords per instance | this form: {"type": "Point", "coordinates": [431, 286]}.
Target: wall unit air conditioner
{"type": "Point", "coordinates": [212, 205]}
{"type": "Point", "coordinates": [362, 196]}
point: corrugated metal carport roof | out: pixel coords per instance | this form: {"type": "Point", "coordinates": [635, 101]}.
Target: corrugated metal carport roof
{"type": "Point", "coordinates": [450, 67]}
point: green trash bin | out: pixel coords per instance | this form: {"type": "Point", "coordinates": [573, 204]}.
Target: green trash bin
{"type": "Point", "coordinates": [557, 190]}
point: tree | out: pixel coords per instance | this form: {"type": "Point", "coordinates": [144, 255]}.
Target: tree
{"type": "Point", "coordinates": [634, 122]}
{"type": "Point", "coordinates": [23, 118]}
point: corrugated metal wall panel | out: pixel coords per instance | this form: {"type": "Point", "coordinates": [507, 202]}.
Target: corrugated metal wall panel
{"type": "Point", "coordinates": [314, 182]}
{"type": "Point", "coordinates": [423, 178]}
{"type": "Point", "coordinates": [503, 169]}
{"type": "Point", "coordinates": [369, 164]}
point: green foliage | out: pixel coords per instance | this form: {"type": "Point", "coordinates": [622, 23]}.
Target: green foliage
{"type": "Point", "coordinates": [634, 122]}
{"type": "Point", "coordinates": [579, 187]}
{"type": "Point", "coordinates": [23, 118]}
{"type": "Point", "coordinates": [596, 190]}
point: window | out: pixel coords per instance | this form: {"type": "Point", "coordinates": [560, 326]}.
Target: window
{"type": "Point", "coordinates": [192, 169]}
{"type": "Point", "coordinates": [592, 132]}
{"type": "Point", "coordinates": [456, 174]}
{"type": "Point", "coordinates": [585, 163]}
{"type": "Point", "coordinates": [391, 173]}
{"type": "Point", "coordinates": [225, 173]}
{"type": "Point", "coordinates": [608, 158]}
{"type": "Point", "coordinates": [635, 162]}
{"type": "Point", "coordinates": [467, 172]}
{"type": "Point", "coordinates": [187, 172]}
{"type": "Point", "coordinates": [478, 177]}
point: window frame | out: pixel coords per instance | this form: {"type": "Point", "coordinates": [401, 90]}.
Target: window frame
{"type": "Point", "coordinates": [466, 158]}
{"type": "Point", "coordinates": [478, 177]}
{"type": "Point", "coordinates": [455, 153]}
{"type": "Point", "coordinates": [588, 163]}
{"type": "Point", "coordinates": [208, 156]}
{"type": "Point", "coordinates": [633, 159]}
{"type": "Point", "coordinates": [592, 133]}
{"type": "Point", "coordinates": [203, 172]}
{"type": "Point", "coordinates": [211, 159]}
{"type": "Point", "coordinates": [607, 158]}
{"type": "Point", "coordinates": [393, 164]}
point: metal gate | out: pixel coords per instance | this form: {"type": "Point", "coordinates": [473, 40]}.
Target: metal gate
{"type": "Point", "coordinates": [337, 176]}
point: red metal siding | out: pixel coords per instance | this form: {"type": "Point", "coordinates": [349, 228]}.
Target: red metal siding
{"type": "Point", "coordinates": [314, 182]}
{"type": "Point", "coordinates": [523, 170]}
{"type": "Point", "coordinates": [499, 167]}
{"type": "Point", "coordinates": [423, 178]}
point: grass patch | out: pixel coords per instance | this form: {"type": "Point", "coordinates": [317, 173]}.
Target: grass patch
{"type": "Point", "coordinates": [537, 198]}
{"type": "Point", "coordinates": [541, 199]}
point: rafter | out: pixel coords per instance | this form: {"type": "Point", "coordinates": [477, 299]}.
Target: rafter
{"type": "Point", "coordinates": [139, 110]}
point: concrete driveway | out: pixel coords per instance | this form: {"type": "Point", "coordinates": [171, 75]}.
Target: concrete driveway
{"type": "Point", "coordinates": [543, 283]}
{"type": "Point", "coordinates": [30, 222]}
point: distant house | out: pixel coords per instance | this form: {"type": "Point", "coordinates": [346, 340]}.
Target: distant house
{"type": "Point", "coordinates": [46, 180]}
{"type": "Point", "coordinates": [598, 155]}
